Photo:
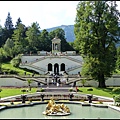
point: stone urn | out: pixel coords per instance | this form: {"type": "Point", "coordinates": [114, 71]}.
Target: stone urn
{"type": "Point", "coordinates": [89, 98]}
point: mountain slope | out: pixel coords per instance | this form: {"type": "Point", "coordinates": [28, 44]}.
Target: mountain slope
{"type": "Point", "coordinates": [69, 31]}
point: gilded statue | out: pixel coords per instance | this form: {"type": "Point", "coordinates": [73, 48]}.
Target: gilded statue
{"type": "Point", "coordinates": [56, 109]}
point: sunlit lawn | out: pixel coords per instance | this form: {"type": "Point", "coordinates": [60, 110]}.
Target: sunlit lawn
{"type": "Point", "coordinates": [14, 91]}
{"type": "Point", "coordinates": [9, 66]}
{"type": "Point", "coordinates": [107, 92]}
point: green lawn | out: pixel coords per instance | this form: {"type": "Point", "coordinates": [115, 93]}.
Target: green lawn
{"type": "Point", "coordinates": [14, 91]}
{"type": "Point", "coordinates": [8, 66]}
{"type": "Point", "coordinates": [107, 92]}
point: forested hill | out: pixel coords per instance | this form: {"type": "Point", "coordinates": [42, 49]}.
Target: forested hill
{"type": "Point", "coordinates": [69, 31]}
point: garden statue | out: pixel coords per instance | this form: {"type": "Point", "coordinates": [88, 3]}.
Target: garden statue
{"type": "Point", "coordinates": [23, 98]}
{"type": "Point", "coordinates": [89, 98]}
{"type": "Point", "coordinates": [42, 96]}
{"type": "Point", "coordinates": [71, 95]}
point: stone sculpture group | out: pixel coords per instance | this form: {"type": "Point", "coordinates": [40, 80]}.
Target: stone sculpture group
{"type": "Point", "coordinates": [56, 109]}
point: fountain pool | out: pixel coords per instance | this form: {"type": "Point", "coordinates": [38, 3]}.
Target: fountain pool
{"type": "Point", "coordinates": [77, 111]}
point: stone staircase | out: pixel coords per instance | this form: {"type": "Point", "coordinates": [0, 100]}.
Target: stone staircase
{"type": "Point", "coordinates": [54, 88]}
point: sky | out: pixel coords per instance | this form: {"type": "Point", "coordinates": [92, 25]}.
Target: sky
{"type": "Point", "coordinates": [47, 14]}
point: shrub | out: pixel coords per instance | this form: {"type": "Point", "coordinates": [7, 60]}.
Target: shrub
{"type": "Point", "coordinates": [89, 89]}
{"type": "Point", "coordinates": [116, 98]}
{"type": "Point", "coordinates": [83, 81]}
{"type": "Point", "coordinates": [79, 90]}
{"type": "Point", "coordinates": [71, 89]}
{"type": "Point", "coordinates": [100, 102]}
{"type": "Point", "coordinates": [82, 100]}
{"type": "Point", "coordinates": [16, 61]}
{"type": "Point", "coordinates": [30, 99]}
{"type": "Point", "coordinates": [116, 90]}
{"type": "Point", "coordinates": [0, 89]}
{"type": "Point", "coordinates": [12, 72]}
{"type": "Point", "coordinates": [12, 102]}
{"type": "Point", "coordinates": [42, 90]}
{"type": "Point", "coordinates": [23, 90]}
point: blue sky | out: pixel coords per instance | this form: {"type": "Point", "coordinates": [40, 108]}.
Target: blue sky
{"type": "Point", "coordinates": [47, 13]}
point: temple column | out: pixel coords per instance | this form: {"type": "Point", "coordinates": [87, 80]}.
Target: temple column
{"type": "Point", "coordinates": [46, 67]}
{"type": "Point", "coordinates": [53, 68]}
{"type": "Point", "coordinates": [52, 47]}
{"type": "Point", "coordinates": [59, 47]}
{"type": "Point", "coordinates": [59, 68]}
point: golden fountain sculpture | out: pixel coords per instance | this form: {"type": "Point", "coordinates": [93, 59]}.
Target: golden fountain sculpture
{"type": "Point", "coordinates": [56, 109]}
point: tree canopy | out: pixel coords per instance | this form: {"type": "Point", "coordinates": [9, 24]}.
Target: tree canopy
{"type": "Point", "coordinates": [24, 40]}
{"type": "Point", "coordinates": [97, 32]}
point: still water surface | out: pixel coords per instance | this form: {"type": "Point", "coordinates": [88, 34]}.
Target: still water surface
{"type": "Point", "coordinates": [77, 111]}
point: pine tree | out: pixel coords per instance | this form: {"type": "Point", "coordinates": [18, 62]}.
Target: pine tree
{"type": "Point", "coordinates": [18, 22]}
{"type": "Point", "coordinates": [8, 23]}
{"type": "Point", "coordinates": [7, 31]}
